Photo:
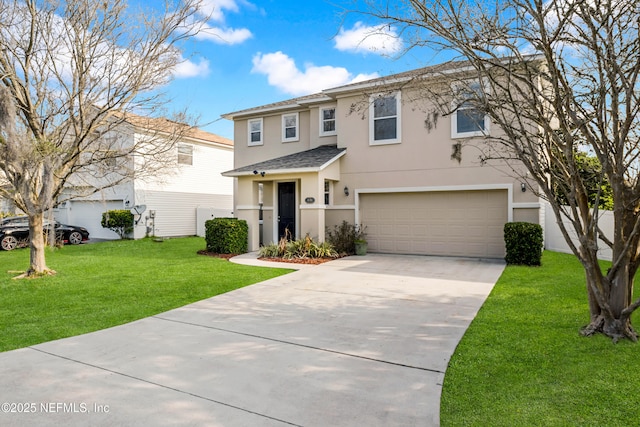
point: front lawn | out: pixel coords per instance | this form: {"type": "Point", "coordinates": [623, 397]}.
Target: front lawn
{"type": "Point", "coordinates": [522, 362]}
{"type": "Point", "coordinates": [111, 283]}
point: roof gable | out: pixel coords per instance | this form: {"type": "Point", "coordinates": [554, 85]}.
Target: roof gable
{"type": "Point", "coordinates": [313, 160]}
{"type": "Point", "coordinates": [166, 126]}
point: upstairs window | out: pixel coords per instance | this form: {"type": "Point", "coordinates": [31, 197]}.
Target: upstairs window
{"type": "Point", "coordinates": [384, 119]}
{"type": "Point", "coordinates": [467, 120]}
{"type": "Point", "coordinates": [185, 154]}
{"type": "Point", "coordinates": [290, 127]}
{"type": "Point", "coordinates": [327, 121]}
{"type": "Point", "coordinates": [255, 131]}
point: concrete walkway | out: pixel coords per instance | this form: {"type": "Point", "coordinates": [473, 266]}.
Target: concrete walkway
{"type": "Point", "coordinates": [360, 341]}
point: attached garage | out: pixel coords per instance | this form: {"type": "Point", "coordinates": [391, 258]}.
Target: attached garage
{"type": "Point", "coordinates": [449, 223]}
{"type": "Point", "coordinates": [88, 214]}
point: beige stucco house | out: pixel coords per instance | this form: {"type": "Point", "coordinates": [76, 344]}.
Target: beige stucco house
{"type": "Point", "coordinates": [365, 154]}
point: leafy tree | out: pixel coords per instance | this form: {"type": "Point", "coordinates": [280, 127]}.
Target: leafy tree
{"type": "Point", "coordinates": [72, 74]}
{"type": "Point", "coordinates": [557, 77]}
{"type": "Point", "coordinates": [598, 188]}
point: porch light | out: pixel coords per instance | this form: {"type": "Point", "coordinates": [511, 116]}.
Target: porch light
{"type": "Point", "coordinates": [346, 190]}
{"type": "Point", "coordinates": [523, 187]}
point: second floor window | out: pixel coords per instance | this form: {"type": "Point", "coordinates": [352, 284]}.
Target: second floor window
{"type": "Point", "coordinates": [185, 154]}
{"type": "Point", "coordinates": [255, 132]}
{"type": "Point", "coordinates": [327, 121]}
{"type": "Point", "coordinates": [290, 127]}
{"type": "Point", "coordinates": [467, 120]}
{"type": "Point", "coordinates": [384, 119]}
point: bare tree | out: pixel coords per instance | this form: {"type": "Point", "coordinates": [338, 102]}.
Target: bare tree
{"type": "Point", "coordinates": [74, 75]}
{"type": "Point", "coordinates": [559, 78]}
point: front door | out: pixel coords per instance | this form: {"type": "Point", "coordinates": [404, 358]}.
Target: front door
{"type": "Point", "coordinates": [286, 209]}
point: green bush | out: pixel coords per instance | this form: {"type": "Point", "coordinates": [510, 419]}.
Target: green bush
{"type": "Point", "coordinates": [523, 241]}
{"type": "Point", "coordinates": [227, 235]}
{"type": "Point", "coordinates": [119, 220]}
{"type": "Point", "coordinates": [302, 248]}
{"type": "Point", "coordinates": [344, 236]}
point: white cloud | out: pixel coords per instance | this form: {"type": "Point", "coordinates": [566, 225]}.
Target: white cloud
{"type": "Point", "coordinates": [215, 8]}
{"type": "Point", "coordinates": [186, 69]}
{"type": "Point", "coordinates": [364, 77]}
{"type": "Point", "coordinates": [283, 73]}
{"type": "Point", "coordinates": [214, 11]}
{"type": "Point", "coordinates": [227, 36]}
{"type": "Point", "coordinates": [381, 39]}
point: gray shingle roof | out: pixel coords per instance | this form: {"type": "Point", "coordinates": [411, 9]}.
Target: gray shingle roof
{"type": "Point", "coordinates": [390, 80]}
{"type": "Point", "coordinates": [287, 103]}
{"type": "Point", "coordinates": [312, 160]}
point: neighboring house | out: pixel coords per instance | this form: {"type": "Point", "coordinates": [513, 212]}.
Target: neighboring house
{"type": "Point", "coordinates": [175, 203]}
{"type": "Point", "coordinates": [6, 207]}
{"type": "Point", "coordinates": [365, 154]}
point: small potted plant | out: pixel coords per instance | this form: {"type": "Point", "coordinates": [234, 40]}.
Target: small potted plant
{"type": "Point", "coordinates": [360, 241]}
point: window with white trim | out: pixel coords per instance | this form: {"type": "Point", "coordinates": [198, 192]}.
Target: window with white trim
{"type": "Point", "coordinates": [290, 127]}
{"type": "Point", "coordinates": [254, 128]}
{"type": "Point", "coordinates": [327, 121]}
{"type": "Point", "coordinates": [185, 154]}
{"type": "Point", "coordinates": [384, 119]}
{"type": "Point", "coordinates": [327, 192]}
{"type": "Point", "coordinates": [467, 120]}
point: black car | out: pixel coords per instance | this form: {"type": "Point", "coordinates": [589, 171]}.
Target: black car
{"type": "Point", "coordinates": [14, 233]}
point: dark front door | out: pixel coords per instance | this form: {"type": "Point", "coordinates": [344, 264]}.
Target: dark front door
{"type": "Point", "coordinates": [286, 209]}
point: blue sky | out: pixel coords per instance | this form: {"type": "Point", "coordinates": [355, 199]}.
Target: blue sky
{"type": "Point", "coordinates": [260, 51]}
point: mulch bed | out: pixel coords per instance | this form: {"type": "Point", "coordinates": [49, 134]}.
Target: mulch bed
{"type": "Point", "coordinates": [314, 261]}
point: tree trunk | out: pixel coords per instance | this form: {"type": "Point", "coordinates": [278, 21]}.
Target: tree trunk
{"type": "Point", "coordinates": [37, 263]}
{"type": "Point", "coordinates": [607, 300]}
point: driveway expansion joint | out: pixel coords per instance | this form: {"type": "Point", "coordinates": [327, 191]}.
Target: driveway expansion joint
{"type": "Point", "coordinates": [371, 359]}
{"type": "Point", "coordinates": [163, 386]}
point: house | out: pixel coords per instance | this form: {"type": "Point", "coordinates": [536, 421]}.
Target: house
{"type": "Point", "coordinates": [366, 153]}
{"type": "Point", "coordinates": [176, 202]}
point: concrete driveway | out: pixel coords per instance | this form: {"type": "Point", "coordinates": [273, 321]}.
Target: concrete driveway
{"type": "Point", "coordinates": [360, 341]}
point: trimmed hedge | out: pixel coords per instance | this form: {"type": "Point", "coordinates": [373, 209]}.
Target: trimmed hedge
{"type": "Point", "coordinates": [523, 241]}
{"type": "Point", "coordinates": [118, 220]}
{"type": "Point", "coordinates": [227, 235]}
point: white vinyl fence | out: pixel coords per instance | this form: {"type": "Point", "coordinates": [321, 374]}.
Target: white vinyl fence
{"type": "Point", "coordinates": [554, 240]}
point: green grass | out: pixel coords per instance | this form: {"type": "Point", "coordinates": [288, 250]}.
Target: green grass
{"type": "Point", "coordinates": [111, 283]}
{"type": "Point", "coordinates": [522, 362]}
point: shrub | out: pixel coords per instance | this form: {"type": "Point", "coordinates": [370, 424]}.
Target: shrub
{"type": "Point", "coordinates": [303, 248]}
{"type": "Point", "coordinates": [344, 236]}
{"type": "Point", "coordinates": [227, 235]}
{"type": "Point", "coordinates": [523, 241]}
{"type": "Point", "coordinates": [119, 220]}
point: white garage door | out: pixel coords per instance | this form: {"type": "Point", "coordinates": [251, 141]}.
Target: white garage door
{"type": "Point", "coordinates": [453, 223]}
{"type": "Point", "coordinates": [88, 214]}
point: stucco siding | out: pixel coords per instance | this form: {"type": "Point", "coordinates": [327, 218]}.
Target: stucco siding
{"type": "Point", "coordinates": [272, 145]}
